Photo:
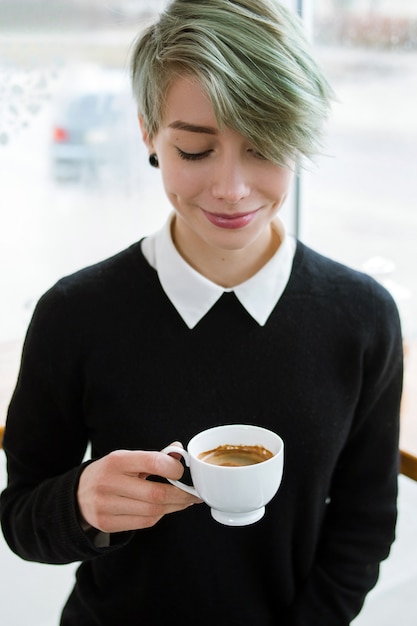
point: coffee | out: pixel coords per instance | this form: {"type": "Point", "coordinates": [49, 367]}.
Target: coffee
{"type": "Point", "coordinates": [235, 455]}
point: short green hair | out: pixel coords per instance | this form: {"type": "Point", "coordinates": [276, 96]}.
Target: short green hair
{"type": "Point", "coordinates": [253, 60]}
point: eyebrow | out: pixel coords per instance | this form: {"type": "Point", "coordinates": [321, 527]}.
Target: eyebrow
{"type": "Point", "coordinates": [192, 128]}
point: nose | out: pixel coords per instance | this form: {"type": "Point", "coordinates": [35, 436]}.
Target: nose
{"type": "Point", "coordinates": [230, 181]}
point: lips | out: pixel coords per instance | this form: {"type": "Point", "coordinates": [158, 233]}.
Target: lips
{"type": "Point", "coordinates": [230, 221]}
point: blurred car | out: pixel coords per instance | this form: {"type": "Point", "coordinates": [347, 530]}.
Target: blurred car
{"type": "Point", "coordinates": [93, 128]}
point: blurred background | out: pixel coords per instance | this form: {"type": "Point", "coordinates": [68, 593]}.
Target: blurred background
{"type": "Point", "coordinates": [75, 187]}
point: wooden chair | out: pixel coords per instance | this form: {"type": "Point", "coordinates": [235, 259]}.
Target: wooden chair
{"type": "Point", "coordinates": [408, 464]}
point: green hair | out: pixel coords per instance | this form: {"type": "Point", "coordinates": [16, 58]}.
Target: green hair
{"type": "Point", "coordinates": [253, 60]}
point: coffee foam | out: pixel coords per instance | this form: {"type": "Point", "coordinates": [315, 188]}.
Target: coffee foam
{"type": "Point", "coordinates": [230, 455]}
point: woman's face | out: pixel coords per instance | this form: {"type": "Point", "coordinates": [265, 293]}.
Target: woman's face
{"type": "Point", "coordinates": [224, 192]}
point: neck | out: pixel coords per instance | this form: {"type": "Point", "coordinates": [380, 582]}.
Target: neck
{"type": "Point", "coordinates": [228, 268]}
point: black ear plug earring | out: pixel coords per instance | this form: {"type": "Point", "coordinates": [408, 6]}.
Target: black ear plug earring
{"type": "Point", "coordinates": [153, 160]}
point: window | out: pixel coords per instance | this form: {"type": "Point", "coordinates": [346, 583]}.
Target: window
{"type": "Point", "coordinates": [75, 182]}
{"type": "Point", "coordinates": [359, 201]}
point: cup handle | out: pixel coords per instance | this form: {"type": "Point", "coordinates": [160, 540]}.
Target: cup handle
{"type": "Point", "coordinates": [188, 488]}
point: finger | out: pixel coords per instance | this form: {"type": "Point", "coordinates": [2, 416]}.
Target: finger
{"type": "Point", "coordinates": [150, 502]}
{"type": "Point", "coordinates": [140, 462]}
{"type": "Point", "coordinates": [138, 489]}
{"type": "Point", "coordinates": [176, 455]}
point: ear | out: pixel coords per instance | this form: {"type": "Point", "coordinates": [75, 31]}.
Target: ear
{"type": "Point", "coordinates": [145, 134]}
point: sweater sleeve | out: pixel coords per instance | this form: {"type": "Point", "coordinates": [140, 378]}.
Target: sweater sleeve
{"type": "Point", "coordinates": [359, 526]}
{"type": "Point", "coordinates": [45, 442]}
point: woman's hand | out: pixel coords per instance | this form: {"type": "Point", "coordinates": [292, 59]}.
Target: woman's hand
{"type": "Point", "coordinates": [114, 495]}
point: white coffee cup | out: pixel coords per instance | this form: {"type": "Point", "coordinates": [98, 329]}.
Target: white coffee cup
{"type": "Point", "coordinates": [236, 495]}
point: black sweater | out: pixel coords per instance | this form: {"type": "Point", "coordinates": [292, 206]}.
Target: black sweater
{"type": "Point", "coordinates": [108, 360]}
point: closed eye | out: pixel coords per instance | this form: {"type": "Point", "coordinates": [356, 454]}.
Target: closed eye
{"type": "Point", "coordinates": [258, 155]}
{"type": "Point", "coordinates": [193, 156]}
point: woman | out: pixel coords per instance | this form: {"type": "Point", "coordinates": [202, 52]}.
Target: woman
{"type": "Point", "coordinates": [220, 317]}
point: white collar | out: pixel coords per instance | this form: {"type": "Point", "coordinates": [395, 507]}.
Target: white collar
{"type": "Point", "coordinates": [193, 295]}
